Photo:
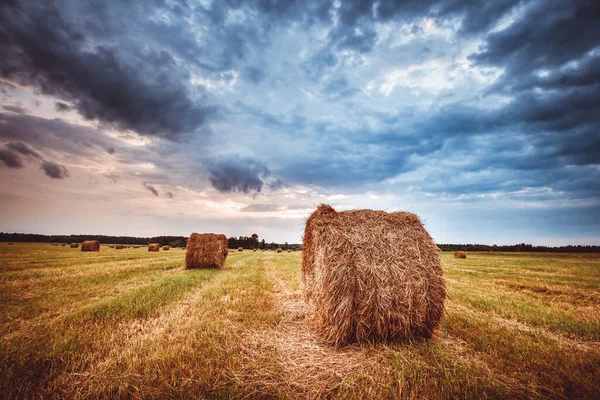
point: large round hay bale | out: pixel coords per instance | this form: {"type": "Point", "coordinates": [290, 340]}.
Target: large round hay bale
{"type": "Point", "coordinates": [119, 247]}
{"type": "Point", "coordinates": [279, 250]}
{"type": "Point", "coordinates": [253, 249]}
{"type": "Point", "coordinates": [74, 245]}
{"type": "Point", "coordinates": [153, 247]}
{"type": "Point", "coordinates": [240, 249]}
{"type": "Point", "coordinates": [460, 254]}
{"type": "Point", "coordinates": [10, 243]}
{"type": "Point", "coordinates": [371, 275]}
{"type": "Point", "coordinates": [90, 245]}
{"type": "Point", "coordinates": [207, 250]}
{"type": "Point", "coordinates": [166, 247]}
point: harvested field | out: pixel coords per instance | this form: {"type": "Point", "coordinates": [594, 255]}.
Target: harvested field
{"type": "Point", "coordinates": [137, 324]}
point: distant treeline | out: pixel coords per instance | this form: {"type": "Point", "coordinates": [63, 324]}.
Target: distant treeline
{"type": "Point", "coordinates": [246, 242]}
{"type": "Point", "coordinates": [252, 242]}
{"type": "Point", "coordinates": [521, 247]}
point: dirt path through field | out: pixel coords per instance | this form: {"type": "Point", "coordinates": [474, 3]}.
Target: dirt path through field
{"type": "Point", "coordinates": [304, 366]}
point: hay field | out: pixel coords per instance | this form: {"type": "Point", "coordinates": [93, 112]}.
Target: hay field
{"type": "Point", "coordinates": [132, 323]}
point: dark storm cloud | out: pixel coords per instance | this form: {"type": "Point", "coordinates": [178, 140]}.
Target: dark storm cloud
{"type": "Point", "coordinates": [111, 150]}
{"type": "Point", "coordinates": [143, 90]}
{"type": "Point", "coordinates": [53, 134]}
{"type": "Point", "coordinates": [11, 154]}
{"type": "Point", "coordinates": [548, 35]}
{"type": "Point", "coordinates": [10, 158]}
{"type": "Point", "coordinates": [15, 109]}
{"type": "Point", "coordinates": [356, 27]}
{"type": "Point", "coordinates": [54, 170]}
{"type": "Point", "coordinates": [151, 189]}
{"type": "Point", "coordinates": [237, 174]}
{"type": "Point", "coordinates": [24, 149]}
{"type": "Point", "coordinates": [62, 107]}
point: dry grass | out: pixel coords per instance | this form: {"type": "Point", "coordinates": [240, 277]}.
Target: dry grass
{"type": "Point", "coordinates": [138, 325]}
{"type": "Point", "coordinates": [371, 275]}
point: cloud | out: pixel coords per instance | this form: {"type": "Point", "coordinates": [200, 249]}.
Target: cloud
{"type": "Point", "coordinates": [54, 170]}
{"type": "Point", "coordinates": [151, 189]}
{"type": "Point", "coordinates": [111, 150]}
{"type": "Point", "coordinates": [11, 154]}
{"type": "Point", "coordinates": [258, 208]}
{"type": "Point", "coordinates": [15, 109]}
{"type": "Point", "coordinates": [255, 74]}
{"type": "Point", "coordinates": [10, 158]}
{"type": "Point", "coordinates": [113, 178]}
{"type": "Point", "coordinates": [62, 107]}
{"type": "Point", "coordinates": [237, 174]}
{"type": "Point", "coordinates": [44, 45]}
{"type": "Point", "coordinates": [24, 149]}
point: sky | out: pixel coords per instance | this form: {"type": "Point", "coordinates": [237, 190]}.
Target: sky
{"type": "Point", "coordinates": [166, 117]}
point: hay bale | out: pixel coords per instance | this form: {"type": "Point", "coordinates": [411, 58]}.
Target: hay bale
{"type": "Point", "coordinates": [74, 245]}
{"type": "Point", "coordinates": [279, 250]}
{"type": "Point", "coordinates": [10, 243]}
{"type": "Point", "coordinates": [289, 251]}
{"type": "Point", "coordinates": [207, 250]}
{"type": "Point", "coordinates": [136, 247]}
{"type": "Point", "coordinates": [460, 254]}
{"type": "Point", "coordinates": [90, 245]}
{"type": "Point", "coordinates": [253, 249]}
{"type": "Point", "coordinates": [119, 247]}
{"type": "Point", "coordinates": [63, 245]}
{"type": "Point", "coordinates": [371, 275]}
{"type": "Point", "coordinates": [166, 247]}
{"type": "Point", "coordinates": [153, 247]}
{"type": "Point", "coordinates": [240, 249]}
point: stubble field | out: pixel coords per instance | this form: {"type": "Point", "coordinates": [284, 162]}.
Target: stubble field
{"type": "Point", "coordinates": [129, 323]}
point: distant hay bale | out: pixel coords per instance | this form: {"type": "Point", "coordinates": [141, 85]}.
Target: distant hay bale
{"type": "Point", "coordinates": [119, 247]}
{"type": "Point", "coordinates": [279, 250]}
{"type": "Point", "coordinates": [136, 247]}
{"type": "Point", "coordinates": [90, 245]}
{"type": "Point", "coordinates": [166, 247]}
{"type": "Point", "coordinates": [111, 246]}
{"type": "Point", "coordinates": [63, 244]}
{"type": "Point", "coordinates": [207, 250]}
{"type": "Point", "coordinates": [10, 243]}
{"type": "Point", "coordinates": [289, 251]}
{"type": "Point", "coordinates": [153, 247]}
{"type": "Point", "coordinates": [253, 249]}
{"type": "Point", "coordinates": [460, 254]}
{"type": "Point", "coordinates": [74, 245]}
{"type": "Point", "coordinates": [240, 249]}
{"type": "Point", "coordinates": [371, 275]}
